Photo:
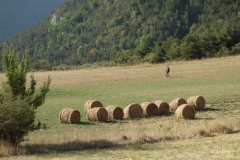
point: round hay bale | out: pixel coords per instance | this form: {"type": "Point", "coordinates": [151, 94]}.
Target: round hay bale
{"type": "Point", "coordinates": [174, 104]}
{"type": "Point", "coordinates": [149, 109]}
{"type": "Point", "coordinates": [68, 115]}
{"type": "Point", "coordinates": [185, 111]}
{"type": "Point", "coordinates": [198, 102]}
{"type": "Point", "coordinates": [89, 104]}
{"type": "Point", "coordinates": [97, 114]}
{"type": "Point", "coordinates": [60, 114]}
{"type": "Point", "coordinates": [114, 112]}
{"type": "Point", "coordinates": [133, 110]}
{"type": "Point", "coordinates": [163, 107]}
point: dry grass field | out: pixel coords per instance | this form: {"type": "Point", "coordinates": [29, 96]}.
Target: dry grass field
{"type": "Point", "coordinates": [213, 134]}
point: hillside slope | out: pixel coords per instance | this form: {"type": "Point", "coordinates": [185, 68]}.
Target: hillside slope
{"type": "Point", "coordinates": [124, 31]}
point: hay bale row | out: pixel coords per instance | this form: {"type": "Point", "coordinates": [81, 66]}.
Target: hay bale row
{"type": "Point", "coordinates": [185, 111]}
{"type": "Point", "coordinates": [68, 115]}
{"type": "Point", "coordinates": [134, 110]}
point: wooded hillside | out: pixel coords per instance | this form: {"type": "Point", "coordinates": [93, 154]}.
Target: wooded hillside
{"type": "Point", "coordinates": [123, 31]}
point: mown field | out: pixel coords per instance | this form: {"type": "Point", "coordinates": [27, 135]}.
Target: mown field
{"type": "Point", "coordinates": [212, 135]}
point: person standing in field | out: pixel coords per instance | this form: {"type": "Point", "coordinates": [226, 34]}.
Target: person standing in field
{"type": "Point", "coordinates": [167, 71]}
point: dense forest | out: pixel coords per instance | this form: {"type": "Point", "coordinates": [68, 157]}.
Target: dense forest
{"type": "Point", "coordinates": [16, 16]}
{"type": "Point", "coordinates": [120, 31]}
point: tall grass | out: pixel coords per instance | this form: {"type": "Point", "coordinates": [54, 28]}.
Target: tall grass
{"type": "Point", "coordinates": [217, 80]}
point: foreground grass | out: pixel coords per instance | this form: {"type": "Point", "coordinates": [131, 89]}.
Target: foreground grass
{"type": "Point", "coordinates": [217, 80]}
{"type": "Point", "coordinates": [209, 148]}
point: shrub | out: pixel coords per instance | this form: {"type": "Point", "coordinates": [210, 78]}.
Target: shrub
{"type": "Point", "coordinates": [16, 118]}
{"type": "Point", "coordinates": [42, 64]}
{"type": "Point", "coordinates": [17, 103]}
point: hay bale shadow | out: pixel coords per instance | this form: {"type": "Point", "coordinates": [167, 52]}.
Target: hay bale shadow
{"type": "Point", "coordinates": [85, 123]}
{"type": "Point", "coordinates": [204, 118]}
{"type": "Point", "coordinates": [209, 109]}
{"type": "Point", "coordinates": [167, 114]}
{"type": "Point", "coordinates": [133, 119]}
{"type": "Point", "coordinates": [80, 123]}
{"type": "Point", "coordinates": [122, 121]}
{"type": "Point", "coordinates": [111, 121]}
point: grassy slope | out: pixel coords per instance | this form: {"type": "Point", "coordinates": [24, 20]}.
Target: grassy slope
{"type": "Point", "coordinates": [217, 80]}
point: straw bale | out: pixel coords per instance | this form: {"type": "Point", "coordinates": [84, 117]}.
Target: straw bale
{"type": "Point", "coordinates": [163, 107]}
{"type": "Point", "coordinates": [89, 104]}
{"type": "Point", "coordinates": [149, 109]}
{"type": "Point", "coordinates": [114, 112]}
{"type": "Point", "coordinates": [60, 117]}
{"type": "Point", "coordinates": [68, 115]}
{"type": "Point", "coordinates": [198, 102]}
{"type": "Point", "coordinates": [97, 114]}
{"type": "Point", "coordinates": [175, 103]}
{"type": "Point", "coordinates": [133, 110]}
{"type": "Point", "coordinates": [185, 111]}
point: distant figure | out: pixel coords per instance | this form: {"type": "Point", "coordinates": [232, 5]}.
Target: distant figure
{"type": "Point", "coordinates": [167, 72]}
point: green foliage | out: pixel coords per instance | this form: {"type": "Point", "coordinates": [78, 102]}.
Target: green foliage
{"type": "Point", "coordinates": [160, 52]}
{"type": "Point", "coordinates": [77, 18]}
{"type": "Point", "coordinates": [15, 71]}
{"type": "Point", "coordinates": [152, 58]}
{"type": "Point", "coordinates": [16, 118]}
{"type": "Point", "coordinates": [112, 28]}
{"type": "Point", "coordinates": [42, 64]}
{"type": "Point", "coordinates": [145, 45]}
{"type": "Point", "coordinates": [17, 103]}
{"type": "Point", "coordinates": [190, 47]}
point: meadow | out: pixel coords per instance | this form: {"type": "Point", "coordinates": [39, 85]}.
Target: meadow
{"type": "Point", "coordinates": [213, 134]}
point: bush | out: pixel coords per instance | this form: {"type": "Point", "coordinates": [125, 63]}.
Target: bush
{"type": "Point", "coordinates": [43, 65]}
{"type": "Point", "coordinates": [16, 118]}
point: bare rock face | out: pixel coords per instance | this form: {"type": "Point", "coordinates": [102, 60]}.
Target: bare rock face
{"type": "Point", "coordinates": [55, 19]}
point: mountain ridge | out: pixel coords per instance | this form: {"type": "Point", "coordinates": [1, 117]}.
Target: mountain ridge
{"type": "Point", "coordinates": [132, 31]}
